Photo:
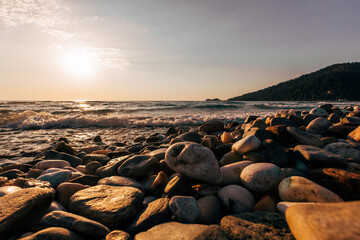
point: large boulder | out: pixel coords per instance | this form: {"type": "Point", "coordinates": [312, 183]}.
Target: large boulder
{"type": "Point", "coordinates": [195, 161]}
{"type": "Point", "coordinates": [110, 205]}
{"type": "Point", "coordinates": [324, 220]}
{"type": "Point", "coordinates": [17, 208]}
{"type": "Point", "coordinates": [305, 137]}
{"type": "Point", "coordinates": [54, 233]}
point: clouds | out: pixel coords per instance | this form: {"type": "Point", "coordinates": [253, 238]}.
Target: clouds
{"type": "Point", "coordinates": [43, 13]}
{"type": "Point", "coordinates": [56, 20]}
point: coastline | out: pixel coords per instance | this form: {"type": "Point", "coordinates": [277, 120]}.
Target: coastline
{"type": "Point", "coordinates": [188, 178]}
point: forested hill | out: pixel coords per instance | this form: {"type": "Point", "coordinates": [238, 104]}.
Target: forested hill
{"type": "Point", "coordinates": [339, 81]}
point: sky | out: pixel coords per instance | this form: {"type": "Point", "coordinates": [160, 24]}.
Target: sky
{"type": "Point", "coordinates": [168, 49]}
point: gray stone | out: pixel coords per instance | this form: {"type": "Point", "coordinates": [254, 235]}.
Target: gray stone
{"type": "Point", "coordinates": [318, 157]}
{"type": "Point", "coordinates": [155, 213]}
{"type": "Point", "coordinates": [319, 112]}
{"type": "Point", "coordinates": [195, 161]}
{"type": "Point", "coordinates": [138, 166]}
{"type": "Point", "coordinates": [121, 181]}
{"type": "Point", "coordinates": [261, 177]}
{"type": "Point", "coordinates": [304, 137]}
{"type": "Point", "coordinates": [74, 161]}
{"type": "Point", "coordinates": [318, 126]}
{"type": "Point", "coordinates": [236, 199]}
{"type": "Point", "coordinates": [55, 178]}
{"type": "Point", "coordinates": [210, 207]}
{"type": "Point", "coordinates": [45, 164]}
{"type": "Point", "coordinates": [109, 205]}
{"type": "Point", "coordinates": [247, 144]}
{"type": "Point", "coordinates": [231, 172]}
{"type": "Point", "coordinates": [101, 158]}
{"type": "Point", "coordinates": [185, 209]}
{"type": "Point", "coordinates": [211, 126]}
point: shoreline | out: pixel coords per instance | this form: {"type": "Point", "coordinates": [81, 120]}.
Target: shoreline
{"type": "Point", "coordinates": [217, 179]}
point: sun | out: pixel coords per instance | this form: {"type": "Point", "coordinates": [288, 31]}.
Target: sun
{"type": "Point", "coordinates": [80, 63]}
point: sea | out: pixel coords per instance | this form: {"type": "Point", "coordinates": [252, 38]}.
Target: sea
{"type": "Point", "coordinates": [29, 127]}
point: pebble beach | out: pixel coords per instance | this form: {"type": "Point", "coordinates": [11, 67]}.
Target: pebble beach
{"type": "Point", "coordinates": [285, 172]}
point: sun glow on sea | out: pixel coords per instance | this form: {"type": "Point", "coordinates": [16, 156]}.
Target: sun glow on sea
{"type": "Point", "coordinates": [80, 63]}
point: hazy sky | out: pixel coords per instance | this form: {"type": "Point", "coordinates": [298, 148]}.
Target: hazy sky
{"type": "Point", "coordinates": [167, 50]}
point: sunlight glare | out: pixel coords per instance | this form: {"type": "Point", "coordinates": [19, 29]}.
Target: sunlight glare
{"type": "Point", "coordinates": [80, 63]}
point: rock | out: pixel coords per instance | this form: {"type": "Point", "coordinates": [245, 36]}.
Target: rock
{"type": "Point", "coordinates": [221, 149]}
{"type": "Point", "coordinates": [226, 138]}
{"type": "Point", "coordinates": [31, 183]}
{"type": "Point", "coordinates": [266, 203]}
{"type": "Point", "coordinates": [189, 137]}
{"type": "Point", "coordinates": [91, 167]}
{"type": "Point", "coordinates": [90, 180]}
{"type": "Point", "coordinates": [121, 181]}
{"type": "Point", "coordinates": [118, 235]}
{"type": "Point", "coordinates": [185, 209]}
{"type": "Point", "coordinates": [65, 190]}
{"type": "Point", "coordinates": [76, 223]}
{"type": "Point", "coordinates": [74, 161]}
{"type": "Point", "coordinates": [282, 121]}
{"type": "Point", "coordinates": [256, 225]}
{"type": "Point", "coordinates": [97, 139]}
{"type": "Point", "coordinates": [45, 164]}
{"type": "Point", "coordinates": [299, 189]}
{"type": "Point", "coordinates": [282, 206]}
{"type": "Point", "coordinates": [277, 153]}
{"type": "Point", "coordinates": [176, 231]}
{"type": "Point", "coordinates": [318, 157]}
{"type": "Point", "coordinates": [324, 221]}
{"type": "Point", "coordinates": [55, 178]}
{"type": "Point", "coordinates": [110, 169]}
{"type": "Point", "coordinates": [17, 208]}
{"type": "Point", "coordinates": [247, 144]}
{"type": "Point", "coordinates": [344, 150]}
{"type": "Point", "coordinates": [212, 126]}
{"type": "Point", "coordinates": [255, 157]}
{"type": "Point", "coordinates": [157, 187]}
{"type": "Point", "coordinates": [101, 158]}
{"type": "Point", "coordinates": [195, 161]}
{"type": "Point", "coordinates": [236, 199]}
{"type": "Point", "coordinates": [155, 213]}
{"type": "Point", "coordinates": [53, 233]}
{"type": "Point", "coordinates": [159, 154]}
{"type": "Point", "coordinates": [5, 190]}
{"type": "Point", "coordinates": [109, 205]}
{"type": "Point", "coordinates": [231, 172]}
{"type": "Point", "coordinates": [176, 186]}
{"type": "Point", "coordinates": [11, 174]}
{"type": "Point", "coordinates": [289, 172]}
{"type": "Point", "coordinates": [138, 166]}
{"type": "Point", "coordinates": [319, 112]}
{"type": "Point", "coordinates": [334, 118]}
{"type": "Point", "coordinates": [344, 183]}
{"type": "Point", "coordinates": [210, 208]}
{"type": "Point", "coordinates": [308, 118]}
{"type": "Point", "coordinates": [90, 149]}
{"type": "Point", "coordinates": [261, 177]}
{"type": "Point", "coordinates": [340, 130]}
{"type": "Point", "coordinates": [64, 147]}
{"type": "Point", "coordinates": [304, 137]}
{"type": "Point", "coordinates": [328, 140]}
{"type": "Point", "coordinates": [281, 135]}
{"type": "Point", "coordinates": [318, 126]}
{"type": "Point", "coordinates": [230, 157]}
{"type": "Point", "coordinates": [355, 134]}
{"type": "Point", "coordinates": [261, 134]}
